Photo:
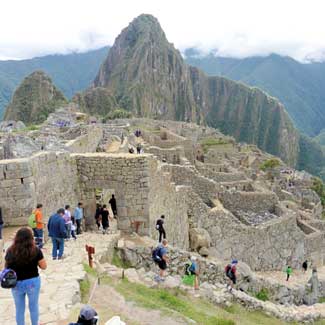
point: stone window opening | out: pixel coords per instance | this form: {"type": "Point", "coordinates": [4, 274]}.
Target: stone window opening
{"type": "Point", "coordinates": [22, 180]}
{"type": "Point", "coordinates": [4, 175]}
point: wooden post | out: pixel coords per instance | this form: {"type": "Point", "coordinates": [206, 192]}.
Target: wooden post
{"type": "Point", "coordinates": [90, 250]}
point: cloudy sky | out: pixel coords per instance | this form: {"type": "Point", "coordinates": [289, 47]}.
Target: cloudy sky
{"type": "Point", "coordinates": [236, 28]}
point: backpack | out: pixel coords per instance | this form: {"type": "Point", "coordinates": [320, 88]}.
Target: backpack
{"type": "Point", "coordinates": [188, 268]}
{"type": "Point", "coordinates": [8, 278]}
{"type": "Point", "coordinates": [32, 220]}
{"type": "Point", "coordinates": [156, 254]}
{"type": "Point", "coordinates": [228, 270]}
{"type": "Point", "coordinates": [158, 224]}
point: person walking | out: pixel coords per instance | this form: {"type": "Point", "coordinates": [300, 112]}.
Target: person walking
{"type": "Point", "coordinates": [288, 272]}
{"type": "Point", "coordinates": [67, 220]}
{"type": "Point", "coordinates": [57, 232]}
{"type": "Point", "coordinates": [39, 230]}
{"type": "Point", "coordinates": [98, 214]}
{"type": "Point", "coordinates": [78, 215]}
{"type": "Point", "coordinates": [194, 270]}
{"type": "Point", "coordinates": [230, 271]}
{"type": "Point", "coordinates": [1, 223]}
{"type": "Point", "coordinates": [304, 266]}
{"type": "Point", "coordinates": [161, 258]}
{"type": "Point", "coordinates": [160, 228]}
{"type": "Point", "coordinates": [105, 216]}
{"type": "Point", "coordinates": [112, 203]}
{"type": "Point", "coordinates": [73, 228]}
{"type": "Point", "coordinates": [24, 257]}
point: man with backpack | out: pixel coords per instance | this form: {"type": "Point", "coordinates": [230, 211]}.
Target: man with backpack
{"type": "Point", "coordinates": [159, 256]}
{"type": "Point", "coordinates": [87, 316]}
{"type": "Point", "coordinates": [57, 232]}
{"type": "Point", "coordinates": [35, 221]}
{"type": "Point", "coordinates": [230, 271]}
{"type": "Point", "coordinates": [160, 228]}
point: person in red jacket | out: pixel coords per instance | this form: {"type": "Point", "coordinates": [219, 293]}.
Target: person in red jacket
{"type": "Point", "coordinates": [230, 271]}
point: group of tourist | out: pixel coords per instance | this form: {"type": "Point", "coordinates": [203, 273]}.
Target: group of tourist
{"type": "Point", "coordinates": [102, 215]}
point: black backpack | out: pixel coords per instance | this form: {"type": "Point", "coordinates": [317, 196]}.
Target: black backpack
{"type": "Point", "coordinates": [8, 279]}
{"type": "Point", "coordinates": [156, 254]}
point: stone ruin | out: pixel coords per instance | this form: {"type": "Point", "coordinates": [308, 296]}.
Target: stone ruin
{"type": "Point", "coordinates": [217, 201]}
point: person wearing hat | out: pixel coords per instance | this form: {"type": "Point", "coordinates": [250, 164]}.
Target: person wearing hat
{"type": "Point", "coordinates": [230, 271]}
{"type": "Point", "coordinates": [87, 316]}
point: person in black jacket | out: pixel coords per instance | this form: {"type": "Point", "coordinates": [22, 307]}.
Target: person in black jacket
{"type": "Point", "coordinates": [1, 223]}
{"type": "Point", "coordinates": [160, 228]}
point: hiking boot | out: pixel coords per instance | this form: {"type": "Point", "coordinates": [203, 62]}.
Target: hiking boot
{"type": "Point", "coordinates": [53, 258]}
{"type": "Point", "coordinates": [61, 257]}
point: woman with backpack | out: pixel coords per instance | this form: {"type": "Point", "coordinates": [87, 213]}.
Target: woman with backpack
{"type": "Point", "coordinates": [230, 271]}
{"type": "Point", "coordinates": [24, 257]}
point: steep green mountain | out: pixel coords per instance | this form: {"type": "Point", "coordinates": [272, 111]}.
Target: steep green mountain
{"type": "Point", "coordinates": [149, 77]}
{"type": "Point", "coordinates": [300, 87]}
{"type": "Point", "coordinates": [70, 73]}
{"type": "Point", "coordinates": [34, 99]}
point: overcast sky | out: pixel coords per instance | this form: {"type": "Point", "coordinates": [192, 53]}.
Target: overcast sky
{"type": "Point", "coordinates": [236, 28]}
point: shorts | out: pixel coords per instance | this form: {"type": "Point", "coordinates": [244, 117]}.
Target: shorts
{"type": "Point", "coordinates": [232, 278]}
{"type": "Point", "coordinates": [162, 264]}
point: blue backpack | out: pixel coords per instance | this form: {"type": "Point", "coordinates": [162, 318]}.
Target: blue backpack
{"type": "Point", "coordinates": [8, 279]}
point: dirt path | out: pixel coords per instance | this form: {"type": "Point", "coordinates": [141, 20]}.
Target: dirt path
{"type": "Point", "coordinates": [113, 146]}
{"type": "Point", "coordinates": [108, 303]}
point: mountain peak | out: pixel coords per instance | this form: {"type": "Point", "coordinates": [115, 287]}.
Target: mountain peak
{"type": "Point", "coordinates": [34, 99]}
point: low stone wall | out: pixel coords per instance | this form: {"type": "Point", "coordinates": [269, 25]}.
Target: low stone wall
{"type": "Point", "coordinates": [87, 142]}
{"type": "Point", "coordinates": [248, 201]}
{"type": "Point", "coordinates": [171, 155]}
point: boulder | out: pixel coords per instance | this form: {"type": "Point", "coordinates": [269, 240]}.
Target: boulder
{"type": "Point", "coordinates": [199, 238]}
{"type": "Point", "coordinates": [204, 251]}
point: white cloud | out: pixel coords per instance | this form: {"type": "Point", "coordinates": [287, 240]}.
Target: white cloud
{"type": "Point", "coordinates": [235, 27]}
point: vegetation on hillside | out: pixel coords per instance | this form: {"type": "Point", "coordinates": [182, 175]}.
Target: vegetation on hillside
{"type": "Point", "coordinates": [270, 164]}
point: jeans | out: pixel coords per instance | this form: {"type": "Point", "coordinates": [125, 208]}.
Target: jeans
{"type": "Point", "coordinates": [31, 288]}
{"type": "Point", "coordinates": [38, 235]}
{"type": "Point", "coordinates": [78, 222]}
{"type": "Point", "coordinates": [57, 245]}
{"type": "Point", "coordinates": [68, 228]}
{"type": "Point", "coordinates": [1, 226]}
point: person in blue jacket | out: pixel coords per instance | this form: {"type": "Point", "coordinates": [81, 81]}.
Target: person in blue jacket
{"type": "Point", "coordinates": [57, 232]}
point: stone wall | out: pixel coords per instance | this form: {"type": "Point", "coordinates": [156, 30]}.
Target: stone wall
{"type": "Point", "coordinates": [167, 199]}
{"type": "Point", "coordinates": [269, 246]}
{"type": "Point", "coordinates": [187, 175]}
{"type": "Point", "coordinates": [48, 178]}
{"type": "Point", "coordinates": [248, 201]}
{"type": "Point", "coordinates": [87, 142]}
{"type": "Point", "coordinates": [170, 155]}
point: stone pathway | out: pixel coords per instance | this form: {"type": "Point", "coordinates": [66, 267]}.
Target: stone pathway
{"type": "Point", "coordinates": [60, 281]}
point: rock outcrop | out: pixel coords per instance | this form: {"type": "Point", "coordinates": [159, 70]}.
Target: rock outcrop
{"type": "Point", "coordinates": [34, 99]}
{"type": "Point", "coordinates": [149, 77]}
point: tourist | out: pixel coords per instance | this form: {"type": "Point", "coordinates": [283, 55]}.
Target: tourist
{"type": "Point", "coordinates": [289, 272]}
{"type": "Point", "coordinates": [87, 316]}
{"type": "Point", "coordinates": [57, 232]}
{"type": "Point", "coordinates": [78, 215]}
{"type": "Point", "coordinates": [194, 270]}
{"type": "Point", "coordinates": [67, 220]}
{"type": "Point", "coordinates": [304, 266]}
{"type": "Point", "coordinates": [161, 259]}
{"type": "Point", "coordinates": [73, 228]}
{"type": "Point", "coordinates": [160, 228]}
{"type": "Point", "coordinates": [105, 215]}
{"type": "Point", "coordinates": [1, 224]}
{"type": "Point", "coordinates": [112, 203]}
{"type": "Point", "coordinates": [98, 214]}
{"type": "Point", "coordinates": [138, 148]}
{"type": "Point", "coordinates": [38, 231]}
{"type": "Point", "coordinates": [24, 257]}
{"type": "Point", "coordinates": [230, 271]}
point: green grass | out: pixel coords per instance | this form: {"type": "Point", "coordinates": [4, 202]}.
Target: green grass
{"type": "Point", "coordinates": [270, 164]}
{"type": "Point", "coordinates": [208, 143]}
{"type": "Point", "coordinates": [85, 289]}
{"type": "Point", "coordinates": [173, 300]}
{"type": "Point", "coordinates": [32, 127]}
{"type": "Point", "coordinates": [321, 300]}
{"type": "Point", "coordinates": [117, 261]}
{"type": "Point", "coordinates": [89, 270]}
{"type": "Point", "coordinates": [263, 294]}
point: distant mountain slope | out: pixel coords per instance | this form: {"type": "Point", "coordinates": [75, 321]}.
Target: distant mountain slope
{"type": "Point", "coordinates": [300, 87]}
{"type": "Point", "coordinates": [70, 73]}
{"type": "Point", "coordinates": [34, 99]}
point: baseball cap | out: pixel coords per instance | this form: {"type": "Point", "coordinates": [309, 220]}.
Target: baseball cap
{"type": "Point", "coordinates": [87, 313]}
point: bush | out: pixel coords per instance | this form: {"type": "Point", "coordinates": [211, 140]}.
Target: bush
{"type": "Point", "coordinates": [319, 187]}
{"type": "Point", "coordinates": [270, 164]}
{"type": "Point", "coordinates": [118, 113]}
{"type": "Point", "coordinates": [263, 294]}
